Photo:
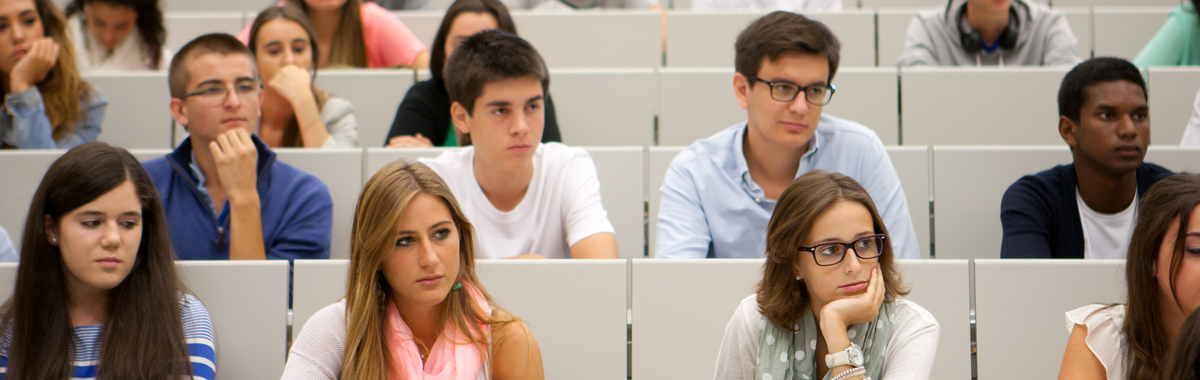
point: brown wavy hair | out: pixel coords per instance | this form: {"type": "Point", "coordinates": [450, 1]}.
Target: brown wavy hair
{"type": "Point", "coordinates": [349, 48]}
{"type": "Point", "coordinates": [143, 335]}
{"type": "Point", "coordinates": [1168, 202]}
{"type": "Point", "coordinates": [781, 298]}
{"type": "Point", "coordinates": [381, 204]}
{"type": "Point", "coordinates": [63, 89]}
{"type": "Point", "coordinates": [1184, 363]}
{"type": "Point", "coordinates": [290, 12]}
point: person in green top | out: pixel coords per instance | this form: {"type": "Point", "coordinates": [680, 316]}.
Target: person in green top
{"type": "Point", "coordinates": [1177, 42]}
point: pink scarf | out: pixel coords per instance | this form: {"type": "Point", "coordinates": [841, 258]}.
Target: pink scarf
{"type": "Point", "coordinates": [450, 358]}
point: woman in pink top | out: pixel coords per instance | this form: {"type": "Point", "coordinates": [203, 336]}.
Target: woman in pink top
{"type": "Point", "coordinates": [354, 33]}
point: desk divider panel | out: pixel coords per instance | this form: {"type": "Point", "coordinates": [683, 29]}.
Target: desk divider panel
{"type": "Point", "coordinates": [22, 171]}
{"type": "Point", "coordinates": [950, 106]}
{"type": "Point", "coordinates": [1123, 31]}
{"type": "Point", "coordinates": [657, 163]}
{"type": "Point", "coordinates": [183, 27]}
{"type": "Point", "coordinates": [138, 115]}
{"type": "Point", "coordinates": [375, 94]}
{"type": "Point", "coordinates": [247, 301]}
{"type": "Point", "coordinates": [1172, 102]}
{"type": "Point", "coordinates": [614, 38]}
{"type": "Point", "coordinates": [1020, 308]}
{"type": "Point", "coordinates": [341, 171]}
{"type": "Point", "coordinates": [605, 107]}
{"type": "Point", "coordinates": [680, 310]}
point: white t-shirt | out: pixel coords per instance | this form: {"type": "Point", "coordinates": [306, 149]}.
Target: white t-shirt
{"type": "Point", "coordinates": [1106, 236]}
{"type": "Point", "coordinates": [560, 208]}
{"type": "Point", "coordinates": [797, 6]}
{"type": "Point", "coordinates": [1104, 337]}
{"type": "Point", "coordinates": [910, 351]}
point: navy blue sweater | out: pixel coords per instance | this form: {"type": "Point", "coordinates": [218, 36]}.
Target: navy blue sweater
{"type": "Point", "coordinates": [1041, 216]}
{"type": "Point", "coordinates": [297, 211]}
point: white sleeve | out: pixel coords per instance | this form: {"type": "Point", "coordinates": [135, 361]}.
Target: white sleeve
{"type": "Point", "coordinates": [317, 352]}
{"type": "Point", "coordinates": [1104, 329]}
{"type": "Point", "coordinates": [583, 212]}
{"type": "Point", "coordinates": [913, 346]}
{"type": "Point", "coordinates": [338, 116]}
{"type": "Point", "coordinates": [1191, 134]}
{"type": "Point", "coordinates": [738, 357]}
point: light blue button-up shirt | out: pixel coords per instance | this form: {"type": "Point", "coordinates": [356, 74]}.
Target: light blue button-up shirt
{"type": "Point", "coordinates": [712, 208]}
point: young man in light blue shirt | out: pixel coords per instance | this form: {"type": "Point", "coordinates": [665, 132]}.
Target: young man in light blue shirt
{"type": "Point", "coordinates": [719, 193]}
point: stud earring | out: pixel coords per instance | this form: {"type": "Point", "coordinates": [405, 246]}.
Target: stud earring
{"type": "Point", "coordinates": [457, 285]}
{"type": "Point", "coordinates": [54, 240]}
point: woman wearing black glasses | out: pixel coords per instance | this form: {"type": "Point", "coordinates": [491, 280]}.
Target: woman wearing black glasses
{"type": "Point", "coordinates": [827, 306]}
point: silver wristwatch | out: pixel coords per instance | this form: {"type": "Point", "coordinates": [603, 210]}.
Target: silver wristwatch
{"type": "Point", "coordinates": [852, 356]}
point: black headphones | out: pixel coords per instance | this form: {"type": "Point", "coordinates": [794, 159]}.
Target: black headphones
{"type": "Point", "coordinates": [972, 41]}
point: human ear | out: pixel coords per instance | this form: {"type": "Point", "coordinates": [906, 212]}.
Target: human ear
{"type": "Point", "coordinates": [741, 88]}
{"type": "Point", "coordinates": [51, 230]}
{"type": "Point", "coordinates": [1067, 129]}
{"type": "Point", "coordinates": [179, 112]}
{"type": "Point", "coordinates": [461, 119]}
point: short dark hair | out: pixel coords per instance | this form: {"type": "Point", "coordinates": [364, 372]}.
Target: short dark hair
{"type": "Point", "coordinates": [1073, 91]}
{"type": "Point", "coordinates": [781, 31]}
{"type": "Point", "coordinates": [219, 43]}
{"type": "Point", "coordinates": [491, 56]}
{"type": "Point", "coordinates": [504, 22]}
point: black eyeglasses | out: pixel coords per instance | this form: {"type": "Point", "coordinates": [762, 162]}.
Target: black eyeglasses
{"type": "Point", "coordinates": [817, 94]}
{"type": "Point", "coordinates": [866, 247]}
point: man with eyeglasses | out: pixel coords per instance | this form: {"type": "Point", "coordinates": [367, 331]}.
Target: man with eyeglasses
{"type": "Point", "coordinates": [225, 194]}
{"type": "Point", "coordinates": [719, 193]}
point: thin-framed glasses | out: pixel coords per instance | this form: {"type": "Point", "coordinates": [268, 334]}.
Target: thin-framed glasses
{"type": "Point", "coordinates": [866, 247]}
{"type": "Point", "coordinates": [218, 92]}
{"type": "Point", "coordinates": [817, 94]}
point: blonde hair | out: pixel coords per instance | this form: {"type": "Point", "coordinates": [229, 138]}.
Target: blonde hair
{"type": "Point", "coordinates": [782, 299]}
{"type": "Point", "coordinates": [348, 47]}
{"type": "Point", "coordinates": [381, 204]}
{"type": "Point", "coordinates": [63, 89]}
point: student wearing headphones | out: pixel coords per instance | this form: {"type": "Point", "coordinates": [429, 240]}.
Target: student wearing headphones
{"type": "Point", "coordinates": [989, 33]}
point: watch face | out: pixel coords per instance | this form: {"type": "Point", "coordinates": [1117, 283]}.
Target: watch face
{"type": "Point", "coordinates": [856, 356]}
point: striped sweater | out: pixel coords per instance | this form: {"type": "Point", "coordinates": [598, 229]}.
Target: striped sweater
{"type": "Point", "coordinates": [197, 329]}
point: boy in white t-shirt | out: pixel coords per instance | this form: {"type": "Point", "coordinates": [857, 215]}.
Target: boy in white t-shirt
{"type": "Point", "coordinates": [526, 199]}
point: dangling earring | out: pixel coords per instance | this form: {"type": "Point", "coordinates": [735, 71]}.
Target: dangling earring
{"type": "Point", "coordinates": [379, 293]}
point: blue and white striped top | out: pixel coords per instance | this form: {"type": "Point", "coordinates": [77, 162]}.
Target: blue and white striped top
{"type": "Point", "coordinates": [197, 329]}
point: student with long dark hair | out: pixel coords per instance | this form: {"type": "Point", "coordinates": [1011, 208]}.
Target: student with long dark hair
{"type": "Point", "coordinates": [97, 294]}
{"type": "Point", "coordinates": [295, 113]}
{"type": "Point", "coordinates": [118, 35]}
{"type": "Point", "coordinates": [47, 105]}
{"type": "Point", "coordinates": [1162, 274]}
{"type": "Point", "coordinates": [423, 119]}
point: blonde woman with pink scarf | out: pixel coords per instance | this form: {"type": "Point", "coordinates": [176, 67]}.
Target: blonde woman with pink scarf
{"type": "Point", "coordinates": [414, 308]}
